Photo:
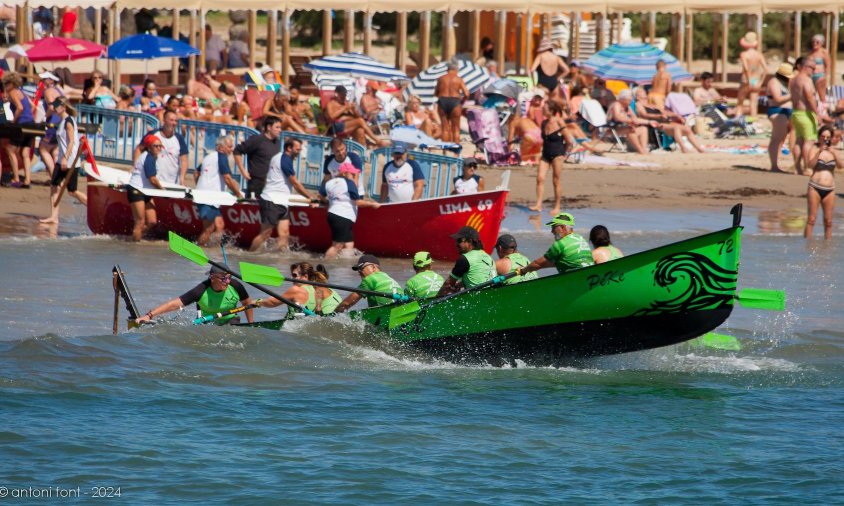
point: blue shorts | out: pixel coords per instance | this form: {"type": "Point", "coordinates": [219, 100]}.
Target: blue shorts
{"type": "Point", "coordinates": [208, 213]}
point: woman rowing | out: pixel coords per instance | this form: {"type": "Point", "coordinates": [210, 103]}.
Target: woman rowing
{"type": "Point", "coordinates": [303, 295]}
{"type": "Point", "coordinates": [217, 294]}
{"type": "Point", "coordinates": [604, 251]}
{"type": "Point", "coordinates": [327, 299]}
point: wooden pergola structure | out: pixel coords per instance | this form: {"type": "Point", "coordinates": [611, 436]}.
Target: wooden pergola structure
{"type": "Point", "coordinates": [524, 14]}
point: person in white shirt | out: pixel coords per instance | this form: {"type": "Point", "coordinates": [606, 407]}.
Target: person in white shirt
{"type": "Point", "coordinates": [469, 182]}
{"type": "Point", "coordinates": [274, 200]}
{"type": "Point", "coordinates": [172, 161]}
{"type": "Point", "coordinates": [403, 179]}
{"type": "Point", "coordinates": [343, 199]}
{"type": "Point", "coordinates": [215, 175]}
{"type": "Point", "coordinates": [144, 175]}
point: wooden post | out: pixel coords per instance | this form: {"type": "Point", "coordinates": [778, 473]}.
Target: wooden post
{"type": "Point", "coordinates": [115, 36]}
{"type": "Point", "coordinates": [367, 32]}
{"type": "Point", "coordinates": [826, 29]}
{"type": "Point", "coordinates": [529, 42]}
{"type": "Point", "coordinates": [833, 50]}
{"type": "Point", "coordinates": [690, 41]}
{"type": "Point", "coordinates": [349, 31]}
{"type": "Point", "coordinates": [520, 40]}
{"type": "Point", "coordinates": [272, 37]}
{"type": "Point", "coordinates": [612, 30]}
{"type": "Point", "coordinates": [716, 28]}
{"type": "Point", "coordinates": [425, 39]}
{"type": "Point", "coordinates": [251, 26]}
{"type": "Point", "coordinates": [599, 24]}
{"type": "Point", "coordinates": [619, 26]}
{"type": "Point", "coordinates": [787, 37]}
{"type": "Point", "coordinates": [725, 31]}
{"type": "Point", "coordinates": [798, 32]}
{"type": "Point", "coordinates": [447, 22]}
{"type": "Point", "coordinates": [652, 28]}
{"type": "Point", "coordinates": [546, 26]}
{"type": "Point", "coordinates": [475, 31]}
{"type": "Point", "coordinates": [401, 45]}
{"type": "Point", "coordinates": [174, 67]}
{"type": "Point", "coordinates": [192, 42]}
{"type": "Point", "coordinates": [643, 29]}
{"type": "Point", "coordinates": [326, 32]}
{"type": "Point", "coordinates": [681, 37]}
{"type": "Point", "coordinates": [98, 32]}
{"type": "Point", "coordinates": [759, 32]}
{"type": "Point", "coordinates": [200, 32]}
{"type": "Point", "coordinates": [501, 39]}
{"type": "Point", "coordinates": [575, 26]}
{"type": "Point", "coordinates": [285, 47]}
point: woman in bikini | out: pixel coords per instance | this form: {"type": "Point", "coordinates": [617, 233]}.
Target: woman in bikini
{"type": "Point", "coordinates": [779, 112]}
{"type": "Point", "coordinates": [821, 192]}
{"type": "Point", "coordinates": [549, 68]}
{"type": "Point", "coordinates": [820, 76]}
{"type": "Point", "coordinates": [554, 139]}
{"type": "Point", "coordinates": [754, 68]}
{"type": "Point", "coordinates": [414, 116]}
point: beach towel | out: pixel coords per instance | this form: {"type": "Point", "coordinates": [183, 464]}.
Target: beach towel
{"type": "Point", "coordinates": [747, 149]}
{"type": "Point", "coordinates": [604, 160]}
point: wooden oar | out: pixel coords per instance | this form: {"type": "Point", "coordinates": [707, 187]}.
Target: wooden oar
{"type": "Point", "coordinates": [266, 275]}
{"type": "Point", "coordinates": [760, 298]}
{"type": "Point", "coordinates": [217, 316]}
{"type": "Point", "coordinates": [195, 254]}
{"type": "Point", "coordinates": [407, 312]}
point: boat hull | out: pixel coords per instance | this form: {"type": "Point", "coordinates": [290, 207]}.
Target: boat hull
{"type": "Point", "coordinates": [655, 298]}
{"type": "Point", "coordinates": [393, 230]}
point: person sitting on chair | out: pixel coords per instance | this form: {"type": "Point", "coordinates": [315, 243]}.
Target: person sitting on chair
{"type": "Point", "coordinates": [344, 121]}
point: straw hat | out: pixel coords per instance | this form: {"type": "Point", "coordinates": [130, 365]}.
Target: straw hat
{"type": "Point", "coordinates": [785, 70]}
{"type": "Point", "coordinates": [544, 45]}
{"type": "Point", "coordinates": [749, 40]}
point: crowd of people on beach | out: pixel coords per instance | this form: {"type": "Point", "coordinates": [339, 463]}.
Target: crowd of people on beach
{"type": "Point", "coordinates": [548, 125]}
{"type": "Point", "coordinates": [221, 294]}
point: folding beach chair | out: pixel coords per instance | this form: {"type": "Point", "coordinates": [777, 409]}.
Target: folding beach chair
{"type": "Point", "coordinates": [683, 105]}
{"type": "Point", "coordinates": [485, 130]}
{"type": "Point", "coordinates": [596, 119]}
{"type": "Point", "coordinates": [724, 127]}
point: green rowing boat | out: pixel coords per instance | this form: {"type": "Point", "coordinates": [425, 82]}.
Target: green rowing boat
{"type": "Point", "coordinates": [655, 298]}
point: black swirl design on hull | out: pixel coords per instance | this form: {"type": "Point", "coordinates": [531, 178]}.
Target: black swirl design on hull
{"type": "Point", "coordinates": [710, 285]}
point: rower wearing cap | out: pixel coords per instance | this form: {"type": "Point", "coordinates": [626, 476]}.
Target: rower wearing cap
{"type": "Point", "coordinates": [217, 294]}
{"type": "Point", "coordinates": [425, 283]}
{"type": "Point", "coordinates": [510, 259]}
{"type": "Point", "coordinates": [570, 251]}
{"type": "Point", "coordinates": [468, 182]}
{"type": "Point", "coordinates": [402, 180]}
{"type": "Point", "coordinates": [343, 200]}
{"type": "Point", "coordinates": [473, 267]}
{"type": "Point", "coordinates": [372, 278]}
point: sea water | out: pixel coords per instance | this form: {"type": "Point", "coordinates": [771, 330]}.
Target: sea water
{"type": "Point", "coordinates": [323, 413]}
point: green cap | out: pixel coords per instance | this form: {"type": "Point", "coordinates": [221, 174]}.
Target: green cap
{"type": "Point", "coordinates": [422, 259]}
{"type": "Point", "coordinates": [562, 219]}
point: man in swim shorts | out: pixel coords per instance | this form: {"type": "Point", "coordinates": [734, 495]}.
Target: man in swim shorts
{"type": "Point", "coordinates": [806, 115]}
{"type": "Point", "coordinates": [450, 102]}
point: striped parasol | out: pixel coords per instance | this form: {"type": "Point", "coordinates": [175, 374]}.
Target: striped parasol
{"type": "Point", "coordinates": [634, 63]}
{"type": "Point", "coordinates": [331, 81]}
{"type": "Point", "coordinates": [425, 83]}
{"type": "Point", "coordinates": [355, 65]}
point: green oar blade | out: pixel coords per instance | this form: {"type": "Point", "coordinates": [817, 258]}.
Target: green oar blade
{"type": "Point", "coordinates": [187, 249]}
{"type": "Point", "coordinates": [717, 341]}
{"type": "Point", "coordinates": [261, 274]}
{"type": "Point", "coordinates": [403, 314]}
{"type": "Point", "coordinates": [758, 298]}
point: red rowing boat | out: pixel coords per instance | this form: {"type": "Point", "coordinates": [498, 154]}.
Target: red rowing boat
{"type": "Point", "coordinates": [393, 230]}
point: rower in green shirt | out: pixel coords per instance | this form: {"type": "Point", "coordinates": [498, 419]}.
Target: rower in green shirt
{"type": "Point", "coordinates": [372, 278]}
{"type": "Point", "coordinates": [570, 251]}
{"type": "Point", "coordinates": [425, 283]}
{"type": "Point", "coordinates": [510, 259]}
{"type": "Point", "coordinates": [473, 267]}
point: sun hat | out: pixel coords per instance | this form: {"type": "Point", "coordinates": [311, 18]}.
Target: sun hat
{"type": "Point", "coordinates": [365, 259]}
{"type": "Point", "coordinates": [467, 233]}
{"type": "Point", "coordinates": [785, 70]}
{"type": "Point", "coordinates": [539, 92]}
{"type": "Point", "coordinates": [49, 75]}
{"type": "Point", "coordinates": [265, 69]}
{"type": "Point", "coordinates": [749, 40]}
{"type": "Point", "coordinates": [562, 219]}
{"type": "Point", "coordinates": [422, 259]}
{"type": "Point", "coordinates": [348, 167]}
{"type": "Point", "coordinates": [506, 241]}
{"type": "Point", "coordinates": [544, 45]}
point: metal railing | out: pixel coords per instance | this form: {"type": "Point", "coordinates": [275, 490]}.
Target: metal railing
{"type": "Point", "coordinates": [201, 138]}
{"type": "Point", "coordinates": [315, 148]}
{"type": "Point", "coordinates": [120, 131]}
{"type": "Point", "coordinates": [439, 171]}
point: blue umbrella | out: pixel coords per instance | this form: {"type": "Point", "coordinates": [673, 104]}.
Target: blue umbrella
{"type": "Point", "coordinates": [424, 84]}
{"type": "Point", "coordinates": [147, 47]}
{"type": "Point", "coordinates": [634, 63]}
{"type": "Point", "coordinates": [355, 65]}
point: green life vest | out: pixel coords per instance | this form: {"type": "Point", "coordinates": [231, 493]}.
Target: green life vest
{"type": "Point", "coordinates": [380, 282]}
{"type": "Point", "coordinates": [481, 268]}
{"type": "Point", "coordinates": [615, 253]}
{"type": "Point", "coordinates": [330, 303]}
{"type": "Point", "coordinates": [518, 260]}
{"type": "Point", "coordinates": [424, 285]}
{"type": "Point", "coordinates": [310, 304]}
{"type": "Point", "coordinates": [569, 253]}
{"type": "Point", "coordinates": [213, 302]}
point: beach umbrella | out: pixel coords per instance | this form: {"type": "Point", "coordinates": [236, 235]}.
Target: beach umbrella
{"type": "Point", "coordinates": [634, 63]}
{"type": "Point", "coordinates": [145, 46]}
{"type": "Point", "coordinates": [331, 81]}
{"type": "Point", "coordinates": [355, 65]}
{"type": "Point", "coordinates": [504, 87]}
{"type": "Point", "coordinates": [425, 83]}
{"type": "Point", "coordinates": [61, 49]}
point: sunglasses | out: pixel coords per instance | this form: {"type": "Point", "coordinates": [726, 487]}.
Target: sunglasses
{"type": "Point", "coordinates": [227, 277]}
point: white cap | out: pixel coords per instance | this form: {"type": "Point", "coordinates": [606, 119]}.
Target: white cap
{"type": "Point", "coordinates": [49, 75]}
{"type": "Point", "coordinates": [264, 69]}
